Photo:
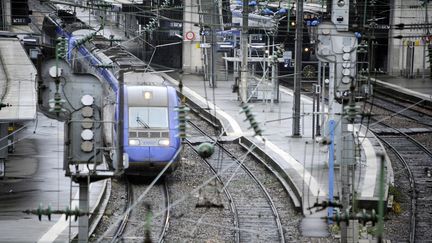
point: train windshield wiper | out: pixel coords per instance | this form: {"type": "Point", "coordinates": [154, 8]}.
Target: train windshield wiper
{"type": "Point", "coordinates": [143, 124]}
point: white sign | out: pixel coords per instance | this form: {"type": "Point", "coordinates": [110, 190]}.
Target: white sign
{"type": "Point", "coordinates": [205, 45]}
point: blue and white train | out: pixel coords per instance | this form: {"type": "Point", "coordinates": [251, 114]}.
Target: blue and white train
{"type": "Point", "coordinates": [150, 118]}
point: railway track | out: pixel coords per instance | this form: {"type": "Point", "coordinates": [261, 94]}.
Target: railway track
{"type": "Point", "coordinates": [408, 110]}
{"type": "Point", "coordinates": [416, 160]}
{"type": "Point", "coordinates": [131, 227]}
{"type": "Point", "coordinates": [233, 207]}
{"type": "Point", "coordinates": [255, 215]}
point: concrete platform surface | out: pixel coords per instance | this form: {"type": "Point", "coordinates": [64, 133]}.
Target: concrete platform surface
{"type": "Point", "coordinates": [34, 175]}
{"type": "Point", "coordinates": [419, 85]}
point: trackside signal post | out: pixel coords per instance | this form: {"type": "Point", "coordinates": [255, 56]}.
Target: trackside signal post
{"type": "Point", "coordinates": [298, 67]}
{"type": "Point", "coordinates": [338, 47]}
{"type": "Point", "coordinates": [244, 51]}
{"type": "Point", "coordinates": [78, 104]}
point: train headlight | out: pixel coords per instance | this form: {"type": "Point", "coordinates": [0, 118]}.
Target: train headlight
{"type": "Point", "coordinates": [134, 142]}
{"type": "Point", "coordinates": [164, 142]}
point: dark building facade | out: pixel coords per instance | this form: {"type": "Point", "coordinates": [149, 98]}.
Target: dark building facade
{"type": "Point", "coordinates": [20, 12]}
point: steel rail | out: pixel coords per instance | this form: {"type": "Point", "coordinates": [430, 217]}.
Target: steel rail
{"type": "Point", "coordinates": [254, 178]}
{"type": "Point", "coordinates": [402, 109]}
{"type": "Point", "coordinates": [167, 212]}
{"type": "Point", "coordinates": [122, 225]}
{"type": "Point", "coordinates": [413, 184]}
{"type": "Point", "coordinates": [233, 207]}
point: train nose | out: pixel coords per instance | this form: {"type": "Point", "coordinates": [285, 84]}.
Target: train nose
{"type": "Point", "coordinates": [139, 154]}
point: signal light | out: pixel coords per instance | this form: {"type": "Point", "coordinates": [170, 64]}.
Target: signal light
{"type": "Point", "coordinates": [87, 135]}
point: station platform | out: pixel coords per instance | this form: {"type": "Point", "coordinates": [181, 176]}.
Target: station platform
{"type": "Point", "coordinates": [17, 92]}
{"type": "Point", "coordinates": [303, 159]}
{"type": "Point", "coordinates": [34, 177]}
{"type": "Point", "coordinates": [17, 82]}
{"type": "Point", "coordinates": [417, 87]}
{"type": "Point", "coordinates": [31, 174]}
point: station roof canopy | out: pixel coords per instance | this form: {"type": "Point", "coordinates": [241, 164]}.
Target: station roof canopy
{"type": "Point", "coordinates": [17, 82]}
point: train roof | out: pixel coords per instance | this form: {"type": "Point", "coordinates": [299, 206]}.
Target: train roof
{"type": "Point", "coordinates": [115, 55]}
{"type": "Point", "coordinates": [141, 78]}
{"type": "Point", "coordinates": [147, 95]}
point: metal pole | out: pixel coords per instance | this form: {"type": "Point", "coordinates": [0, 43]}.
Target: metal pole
{"type": "Point", "coordinates": [345, 161]}
{"type": "Point", "coordinates": [331, 167]}
{"type": "Point", "coordinates": [83, 221]}
{"type": "Point", "coordinates": [323, 94]}
{"type": "Point", "coordinates": [298, 68]}
{"type": "Point", "coordinates": [380, 229]}
{"type": "Point", "coordinates": [318, 131]}
{"type": "Point", "coordinates": [289, 16]}
{"type": "Point", "coordinates": [273, 77]}
{"type": "Point", "coordinates": [244, 51]}
{"type": "Point", "coordinates": [313, 112]}
{"type": "Point", "coordinates": [213, 47]}
{"type": "Point", "coordinates": [424, 42]}
{"type": "Point", "coordinates": [424, 61]}
{"type": "Point", "coordinates": [331, 128]}
{"type": "Point", "coordinates": [331, 92]}
{"type": "Point", "coordinates": [39, 78]}
{"type": "Point", "coordinates": [89, 23]}
{"type": "Point", "coordinates": [120, 142]}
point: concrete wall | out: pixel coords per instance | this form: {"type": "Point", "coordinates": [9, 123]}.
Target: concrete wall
{"type": "Point", "coordinates": [192, 61]}
{"type": "Point", "coordinates": [407, 12]}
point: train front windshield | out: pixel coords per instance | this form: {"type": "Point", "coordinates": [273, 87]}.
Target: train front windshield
{"type": "Point", "coordinates": [148, 117]}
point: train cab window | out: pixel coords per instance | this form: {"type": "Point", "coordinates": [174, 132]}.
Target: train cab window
{"type": "Point", "coordinates": [148, 117]}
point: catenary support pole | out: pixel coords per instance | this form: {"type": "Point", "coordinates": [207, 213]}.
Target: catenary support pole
{"type": "Point", "coordinates": [120, 142]}
{"type": "Point", "coordinates": [244, 51]}
{"type": "Point", "coordinates": [425, 42]}
{"type": "Point", "coordinates": [213, 45]}
{"type": "Point", "coordinates": [380, 230]}
{"type": "Point", "coordinates": [345, 162]}
{"type": "Point", "coordinates": [298, 68]}
{"type": "Point", "coordinates": [83, 221]}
